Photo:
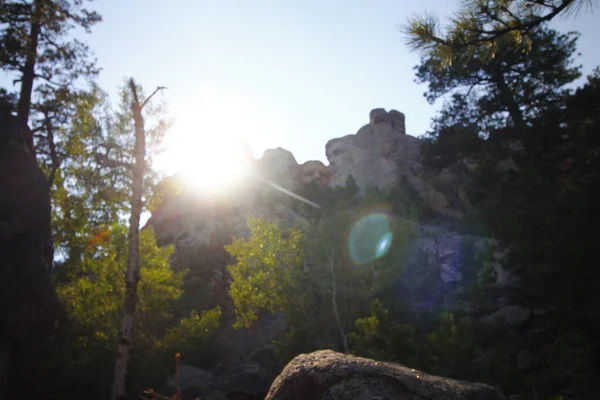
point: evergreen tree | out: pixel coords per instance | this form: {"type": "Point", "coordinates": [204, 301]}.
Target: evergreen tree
{"type": "Point", "coordinates": [484, 25]}
{"type": "Point", "coordinates": [531, 150]}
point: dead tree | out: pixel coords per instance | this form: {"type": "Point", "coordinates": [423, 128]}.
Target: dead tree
{"type": "Point", "coordinates": [125, 342]}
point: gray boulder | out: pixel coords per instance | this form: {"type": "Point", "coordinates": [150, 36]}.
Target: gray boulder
{"type": "Point", "coordinates": [329, 375]}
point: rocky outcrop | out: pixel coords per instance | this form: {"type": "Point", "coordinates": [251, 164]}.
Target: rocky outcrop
{"type": "Point", "coordinates": [280, 166]}
{"type": "Point", "coordinates": [329, 375]}
{"type": "Point", "coordinates": [28, 302]}
{"type": "Point", "coordinates": [380, 153]}
{"type": "Point", "coordinates": [246, 378]}
{"type": "Point", "coordinates": [441, 264]}
{"type": "Point", "coordinates": [315, 171]}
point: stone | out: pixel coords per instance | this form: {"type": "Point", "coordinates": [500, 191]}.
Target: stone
{"type": "Point", "coordinates": [398, 121]}
{"type": "Point", "coordinates": [194, 382]}
{"type": "Point", "coordinates": [248, 378]}
{"type": "Point", "coordinates": [513, 315]}
{"type": "Point", "coordinates": [280, 166]}
{"type": "Point", "coordinates": [29, 306]}
{"type": "Point", "coordinates": [381, 152]}
{"type": "Point", "coordinates": [347, 158]}
{"type": "Point", "coordinates": [329, 375]}
{"type": "Point", "coordinates": [315, 171]}
{"type": "Point", "coordinates": [379, 116]}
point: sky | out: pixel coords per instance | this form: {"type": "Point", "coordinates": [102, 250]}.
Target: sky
{"type": "Point", "coordinates": [291, 74]}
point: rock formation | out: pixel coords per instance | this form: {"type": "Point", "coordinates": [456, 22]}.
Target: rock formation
{"type": "Point", "coordinates": [245, 378]}
{"type": "Point", "coordinates": [315, 171]}
{"type": "Point", "coordinates": [381, 152]}
{"type": "Point", "coordinates": [378, 154]}
{"type": "Point", "coordinates": [329, 375]}
{"type": "Point", "coordinates": [324, 375]}
{"type": "Point", "coordinates": [28, 302]}
{"type": "Point", "coordinates": [280, 166]}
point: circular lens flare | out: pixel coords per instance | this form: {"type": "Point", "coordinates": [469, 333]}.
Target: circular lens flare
{"type": "Point", "coordinates": [370, 238]}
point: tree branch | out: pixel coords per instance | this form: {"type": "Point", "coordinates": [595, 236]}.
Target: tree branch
{"type": "Point", "coordinates": [158, 88]}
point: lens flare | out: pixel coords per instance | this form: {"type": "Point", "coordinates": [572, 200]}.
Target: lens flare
{"type": "Point", "coordinates": [370, 238]}
{"type": "Point", "coordinates": [384, 245]}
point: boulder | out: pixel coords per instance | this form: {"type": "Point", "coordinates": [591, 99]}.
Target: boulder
{"type": "Point", "coordinates": [329, 375]}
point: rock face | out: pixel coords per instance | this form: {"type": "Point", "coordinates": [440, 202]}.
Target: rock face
{"type": "Point", "coordinates": [329, 375]}
{"type": "Point", "coordinates": [377, 155]}
{"type": "Point", "coordinates": [435, 272]}
{"type": "Point", "coordinates": [381, 152]}
{"type": "Point", "coordinates": [246, 378]}
{"type": "Point", "coordinates": [315, 171]}
{"type": "Point", "coordinates": [280, 166]}
{"type": "Point", "coordinates": [28, 302]}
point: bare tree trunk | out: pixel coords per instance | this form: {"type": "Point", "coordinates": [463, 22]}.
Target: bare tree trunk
{"type": "Point", "coordinates": [24, 103]}
{"type": "Point", "coordinates": [335, 307]}
{"type": "Point", "coordinates": [133, 262]}
{"type": "Point", "coordinates": [125, 342]}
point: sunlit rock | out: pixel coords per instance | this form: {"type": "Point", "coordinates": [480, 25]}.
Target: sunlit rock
{"type": "Point", "coordinates": [280, 166]}
{"type": "Point", "coordinates": [379, 116]}
{"type": "Point", "coordinates": [380, 153]}
{"type": "Point", "coordinates": [334, 376]}
{"type": "Point", "coordinates": [397, 121]}
{"type": "Point", "coordinates": [315, 171]}
{"type": "Point", "coordinates": [350, 156]}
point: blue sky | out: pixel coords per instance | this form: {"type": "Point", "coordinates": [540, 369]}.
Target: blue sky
{"type": "Point", "coordinates": [289, 74]}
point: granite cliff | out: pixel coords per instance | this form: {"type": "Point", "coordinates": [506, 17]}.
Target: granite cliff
{"type": "Point", "coordinates": [379, 155]}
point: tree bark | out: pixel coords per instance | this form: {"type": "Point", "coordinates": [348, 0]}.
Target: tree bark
{"type": "Point", "coordinates": [508, 99]}
{"type": "Point", "coordinates": [24, 103]}
{"type": "Point", "coordinates": [125, 342]}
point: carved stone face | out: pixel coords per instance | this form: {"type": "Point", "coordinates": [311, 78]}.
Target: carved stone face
{"type": "Point", "coordinates": [315, 171]}
{"type": "Point", "coordinates": [341, 152]}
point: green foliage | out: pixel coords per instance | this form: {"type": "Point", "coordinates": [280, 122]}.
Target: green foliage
{"type": "Point", "coordinates": [381, 338]}
{"type": "Point", "coordinates": [52, 76]}
{"type": "Point", "coordinates": [94, 297]}
{"type": "Point", "coordinates": [514, 109]}
{"type": "Point", "coordinates": [91, 186]}
{"type": "Point", "coordinates": [485, 26]}
{"type": "Point", "coordinates": [322, 290]}
{"type": "Point", "coordinates": [452, 346]}
{"type": "Point", "coordinates": [406, 201]}
{"type": "Point", "coordinates": [500, 104]}
{"type": "Point", "coordinates": [266, 262]}
{"type": "Point", "coordinates": [495, 99]}
{"type": "Point", "coordinates": [194, 331]}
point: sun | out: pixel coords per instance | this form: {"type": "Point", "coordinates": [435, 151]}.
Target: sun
{"type": "Point", "coordinates": [214, 164]}
{"type": "Point", "coordinates": [210, 163]}
{"type": "Point", "coordinates": [209, 158]}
